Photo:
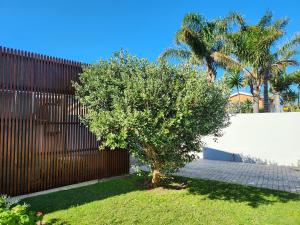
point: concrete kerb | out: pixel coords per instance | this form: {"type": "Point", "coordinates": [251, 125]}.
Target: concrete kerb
{"type": "Point", "coordinates": [64, 188]}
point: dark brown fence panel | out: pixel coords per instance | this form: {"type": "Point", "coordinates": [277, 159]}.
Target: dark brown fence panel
{"type": "Point", "coordinates": [42, 142]}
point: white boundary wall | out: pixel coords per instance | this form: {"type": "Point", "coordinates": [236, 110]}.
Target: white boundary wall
{"type": "Point", "coordinates": [271, 137]}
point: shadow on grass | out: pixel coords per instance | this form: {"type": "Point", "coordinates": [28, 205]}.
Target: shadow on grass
{"type": "Point", "coordinates": [213, 190]}
{"type": "Point", "coordinates": [57, 222]}
{"type": "Point", "coordinates": [78, 196]}
{"type": "Point", "coordinates": [253, 196]}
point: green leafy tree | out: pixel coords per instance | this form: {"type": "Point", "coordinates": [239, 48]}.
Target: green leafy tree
{"type": "Point", "coordinates": [157, 111]}
{"type": "Point", "coordinates": [234, 79]}
{"type": "Point", "coordinates": [199, 40]}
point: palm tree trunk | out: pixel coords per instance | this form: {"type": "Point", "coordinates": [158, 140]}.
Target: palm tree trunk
{"type": "Point", "coordinates": [266, 93]}
{"type": "Point", "coordinates": [210, 75]}
{"type": "Point", "coordinates": [238, 91]}
{"type": "Point", "coordinates": [277, 102]}
{"type": "Point", "coordinates": [298, 96]}
{"type": "Point", "coordinates": [256, 92]}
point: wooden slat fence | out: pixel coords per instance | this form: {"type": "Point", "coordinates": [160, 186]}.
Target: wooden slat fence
{"type": "Point", "coordinates": [42, 142]}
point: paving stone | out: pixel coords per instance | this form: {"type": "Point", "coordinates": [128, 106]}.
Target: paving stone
{"type": "Point", "coordinates": [267, 176]}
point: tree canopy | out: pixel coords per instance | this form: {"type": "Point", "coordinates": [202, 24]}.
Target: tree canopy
{"type": "Point", "coordinates": [157, 111]}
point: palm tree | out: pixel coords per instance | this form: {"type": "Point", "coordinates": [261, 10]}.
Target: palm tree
{"type": "Point", "coordinates": [289, 97]}
{"type": "Point", "coordinates": [279, 61]}
{"type": "Point", "coordinates": [277, 65]}
{"type": "Point", "coordinates": [250, 47]}
{"type": "Point", "coordinates": [296, 80]}
{"type": "Point", "coordinates": [198, 40]}
{"type": "Point", "coordinates": [280, 84]}
{"type": "Point", "coordinates": [234, 79]}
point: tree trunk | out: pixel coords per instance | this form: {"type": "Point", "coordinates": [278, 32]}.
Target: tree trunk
{"type": "Point", "coordinates": [266, 93]}
{"type": "Point", "coordinates": [155, 166]}
{"type": "Point", "coordinates": [238, 91]}
{"type": "Point", "coordinates": [156, 177]}
{"type": "Point", "coordinates": [277, 102]}
{"type": "Point", "coordinates": [298, 96]}
{"type": "Point", "coordinates": [255, 104]}
{"type": "Point", "coordinates": [210, 75]}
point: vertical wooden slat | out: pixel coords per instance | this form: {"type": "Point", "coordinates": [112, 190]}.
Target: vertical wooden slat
{"type": "Point", "coordinates": [32, 124]}
{"type": "Point", "coordinates": [34, 164]}
{"type": "Point", "coordinates": [1, 120]}
{"type": "Point", "coordinates": [43, 125]}
{"type": "Point", "coordinates": [9, 116]}
{"type": "Point", "coordinates": [47, 118]}
{"type": "Point", "coordinates": [6, 118]}
{"type": "Point", "coordinates": [63, 134]}
{"type": "Point", "coordinates": [55, 130]}
{"type": "Point", "coordinates": [51, 109]}
{"type": "Point", "coordinates": [29, 118]}
{"type": "Point", "coordinates": [14, 115]}
{"type": "Point", "coordinates": [25, 150]}
{"type": "Point", "coordinates": [17, 134]}
{"type": "Point", "coordinates": [21, 143]}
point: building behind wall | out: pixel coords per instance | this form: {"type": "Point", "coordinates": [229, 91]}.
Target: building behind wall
{"type": "Point", "coordinates": [243, 97]}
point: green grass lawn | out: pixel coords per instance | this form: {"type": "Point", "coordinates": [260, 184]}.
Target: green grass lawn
{"type": "Point", "coordinates": [125, 201]}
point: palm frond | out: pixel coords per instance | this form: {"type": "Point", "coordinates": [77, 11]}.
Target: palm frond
{"type": "Point", "coordinates": [234, 79]}
{"type": "Point", "coordinates": [175, 53]}
{"type": "Point", "coordinates": [288, 54]}
{"type": "Point", "coordinates": [221, 26]}
{"type": "Point", "coordinates": [280, 24]}
{"type": "Point", "coordinates": [236, 18]}
{"type": "Point", "coordinates": [269, 37]}
{"type": "Point", "coordinates": [196, 43]}
{"type": "Point", "coordinates": [194, 21]}
{"type": "Point", "coordinates": [295, 77]}
{"type": "Point", "coordinates": [194, 60]}
{"type": "Point", "coordinates": [295, 73]}
{"type": "Point", "coordinates": [285, 63]}
{"type": "Point", "coordinates": [266, 19]}
{"type": "Point", "coordinates": [228, 62]}
{"type": "Point", "coordinates": [290, 45]}
{"type": "Point", "coordinates": [281, 82]}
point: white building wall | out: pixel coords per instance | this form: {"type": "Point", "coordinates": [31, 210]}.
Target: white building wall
{"type": "Point", "coordinates": [270, 137]}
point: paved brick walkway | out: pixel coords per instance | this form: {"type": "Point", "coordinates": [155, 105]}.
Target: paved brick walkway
{"type": "Point", "coordinates": [265, 176]}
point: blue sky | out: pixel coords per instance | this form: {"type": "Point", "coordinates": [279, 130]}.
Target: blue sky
{"type": "Point", "coordinates": [89, 30]}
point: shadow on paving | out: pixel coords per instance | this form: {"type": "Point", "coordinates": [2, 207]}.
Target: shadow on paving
{"type": "Point", "coordinates": [253, 196]}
